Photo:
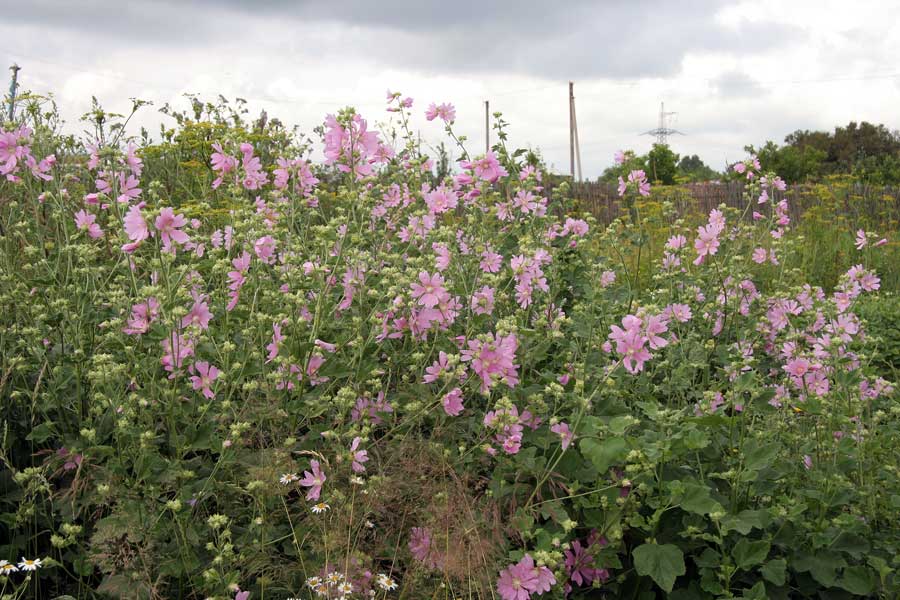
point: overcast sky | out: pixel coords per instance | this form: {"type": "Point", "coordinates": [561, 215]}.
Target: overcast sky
{"type": "Point", "coordinates": [735, 72]}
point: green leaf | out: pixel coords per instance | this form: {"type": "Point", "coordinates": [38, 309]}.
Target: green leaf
{"type": "Point", "coordinates": [710, 583]}
{"type": "Point", "coordinates": [747, 554]}
{"type": "Point", "coordinates": [83, 566]}
{"type": "Point", "coordinates": [554, 511]}
{"type": "Point", "coordinates": [709, 558]}
{"type": "Point", "coordinates": [880, 565]}
{"type": "Point", "coordinates": [41, 433]}
{"type": "Point", "coordinates": [823, 566]}
{"type": "Point", "coordinates": [695, 439]}
{"type": "Point", "coordinates": [757, 592]}
{"type": "Point", "coordinates": [746, 520]}
{"type": "Point", "coordinates": [761, 456]}
{"type": "Point", "coordinates": [663, 563]}
{"type": "Point", "coordinates": [697, 500]}
{"type": "Point", "coordinates": [852, 544]}
{"type": "Point", "coordinates": [858, 580]}
{"type": "Point", "coordinates": [774, 571]}
{"type": "Point", "coordinates": [618, 425]}
{"type": "Point", "coordinates": [606, 453]}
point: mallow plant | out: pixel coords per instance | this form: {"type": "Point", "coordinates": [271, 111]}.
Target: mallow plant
{"type": "Point", "coordinates": [352, 378]}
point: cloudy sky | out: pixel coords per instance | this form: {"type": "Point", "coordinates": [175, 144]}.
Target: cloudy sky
{"type": "Point", "coordinates": [735, 72]}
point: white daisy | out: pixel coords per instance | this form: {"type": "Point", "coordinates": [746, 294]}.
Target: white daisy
{"type": "Point", "coordinates": [320, 507]}
{"type": "Point", "coordinates": [30, 565]}
{"type": "Point", "coordinates": [345, 588]}
{"type": "Point", "coordinates": [289, 478]}
{"type": "Point", "coordinates": [334, 578]}
{"type": "Point", "coordinates": [314, 582]}
{"type": "Point", "coordinates": [385, 582]}
{"type": "Point", "coordinates": [7, 567]}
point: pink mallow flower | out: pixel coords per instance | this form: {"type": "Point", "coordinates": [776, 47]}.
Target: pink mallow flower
{"type": "Point", "coordinates": [676, 242]}
{"type": "Point", "coordinates": [483, 301]}
{"type": "Point", "coordinates": [358, 457]}
{"type": "Point", "coordinates": [438, 368]}
{"type": "Point", "coordinates": [441, 199]}
{"type": "Point", "coordinates": [135, 228]}
{"type": "Point", "coordinates": [563, 431]}
{"type": "Point", "coordinates": [488, 168]}
{"type": "Point", "coordinates": [422, 548]}
{"type": "Point", "coordinates": [275, 344]}
{"type": "Point", "coordinates": [519, 581]}
{"type": "Point", "coordinates": [430, 290]}
{"type": "Point", "coordinates": [580, 564]}
{"type": "Point", "coordinates": [142, 315]}
{"type": "Point", "coordinates": [707, 242]}
{"type": "Point", "coordinates": [264, 248]}
{"type": "Point", "coordinates": [169, 225]}
{"type": "Point", "coordinates": [638, 179]}
{"type": "Point", "coordinates": [630, 340]}
{"type": "Point", "coordinates": [206, 374]}
{"type": "Point", "coordinates": [199, 315]}
{"type": "Point", "coordinates": [445, 111]}
{"type": "Point", "coordinates": [314, 480]}
{"type": "Point", "coordinates": [492, 360]}
{"type": "Point", "coordinates": [452, 402]}
{"type": "Point", "coordinates": [85, 221]}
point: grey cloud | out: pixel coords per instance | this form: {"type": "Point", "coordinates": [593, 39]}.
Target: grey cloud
{"type": "Point", "coordinates": [576, 39]}
{"type": "Point", "coordinates": [736, 84]}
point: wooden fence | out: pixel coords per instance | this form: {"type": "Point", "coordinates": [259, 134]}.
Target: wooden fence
{"type": "Point", "coordinates": [858, 202]}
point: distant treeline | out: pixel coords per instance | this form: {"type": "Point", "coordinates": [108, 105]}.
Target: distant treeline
{"type": "Point", "coordinates": [870, 153]}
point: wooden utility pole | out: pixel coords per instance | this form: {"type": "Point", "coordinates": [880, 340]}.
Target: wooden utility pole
{"type": "Point", "coordinates": [572, 129]}
{"type": "Point", "coordinates": [12, 90]}
{"type": "Point", "coordinates": [487, 126]}
{"type": "Point", "coordinates": [577, 144]}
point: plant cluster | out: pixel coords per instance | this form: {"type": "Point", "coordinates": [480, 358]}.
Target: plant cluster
{"type": "Point", "coordinates": [356, 379]}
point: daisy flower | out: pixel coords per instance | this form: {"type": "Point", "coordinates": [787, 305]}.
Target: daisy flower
{"type": "Point", "coordinates": [7, 567]}
{"type": "Point", "coordinates": [314, 582]}
{"type": "Point", "coordinates": [334, 578]}
{"type": "Point", "coordinates": [385, 582]}
{"type": "Point", "coordinates": [30, 565]}
{"type": "Point", "coordinates": [320, 507]}
{"type": "Point", "coordinates": [289, 478]}
{"type": "Point", "coordinates": [345, 588]}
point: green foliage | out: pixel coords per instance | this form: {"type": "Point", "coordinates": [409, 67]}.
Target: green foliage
{"type": "Point", "coordinates": [663, 563]}
{"type": "Point", "coordinates": [871, 153]}
{"type": "Point", "coordinates": [692, 169]}
{"type": "Point", "coordinates": [662, 166]}
{"type": "Point", "coordinates": [794, 164]}
{"type": "Point", "coordinates": [712, 470]}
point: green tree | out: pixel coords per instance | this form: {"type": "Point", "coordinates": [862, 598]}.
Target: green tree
{"type": "Point", "coordinates": [867, 151]}
{"type": "Point", "coordinates": [795, 164]}
{"type": "Point", "coordinates": [692, 168]}
{"type": "Point", "coordinates": [630, 162]}
{"type": "Point", "coordinates": [662, 164]}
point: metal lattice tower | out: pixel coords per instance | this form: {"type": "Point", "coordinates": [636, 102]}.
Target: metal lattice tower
{"type": "Point", "coordinates": [12, 90]}
{"type": "Point", "coordinates": [662, 132]}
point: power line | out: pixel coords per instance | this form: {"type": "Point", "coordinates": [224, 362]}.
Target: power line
{"type": "Point", "coordinates": [715, 80]}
